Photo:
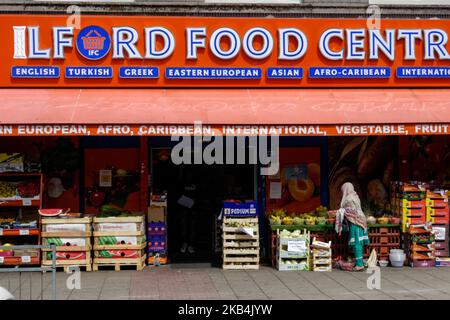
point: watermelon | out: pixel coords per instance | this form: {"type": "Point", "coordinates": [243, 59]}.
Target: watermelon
{"type": "Point", "coordinates": [52, 212]}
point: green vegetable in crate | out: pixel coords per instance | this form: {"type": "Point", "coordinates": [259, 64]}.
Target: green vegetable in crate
{"type": "Point", "coordinates": [55, 241]}
{"type": "Point", "coordinates": [105, 254]}
{"type": "Point", "coordinates": [110, 211]}
{"type": "Point", "coordinates": [299, 221]}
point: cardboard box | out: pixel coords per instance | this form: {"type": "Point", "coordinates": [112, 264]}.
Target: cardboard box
{"type": "Point", "coordinates": [438, 219]}
{"type": "Point", "coordinates": [437, 203]}
{"type": "Point", "coordinates": [413, 212]}
{"type": "Point", "coordinates": [442, 262]}
{"type": "Point", "coordinates": [156, 214]}
{"type": "Point", "coordinates": [437, 211]}
{"type": "Point", "coordinates": [412, 203]}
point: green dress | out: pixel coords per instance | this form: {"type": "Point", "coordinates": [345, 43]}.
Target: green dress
{"type": "Point", "coordinates": [357, 239]}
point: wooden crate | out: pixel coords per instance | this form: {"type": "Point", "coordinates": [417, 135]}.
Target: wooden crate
{"type": "Point", "coordinates": [240, 251]}
{"type": "Point", "coordinates": [121, 235]}
{"type": "Point", "coordinates": [321, 257]}
{"type": "Point", "coordinates": [293, 261]}
{"type": "Point", "coordinates": [68, 242]}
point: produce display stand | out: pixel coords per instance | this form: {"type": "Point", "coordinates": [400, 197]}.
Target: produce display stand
{"type": "Point", "coordinates": [322, 232]}
{"type": "Point", "coordinates": [437, 211]}
{"type": "Point", "coordinates": [119, 241]}
{"type": "Point", "coordinates": [72, 237]}
{"type": "Point", "coordinates": [383, 238]}
{"type": "Point", "coordinates": [11, 200]}
{"type": "Point", "coordinates": [240, 235]}
{"type": "Point", "coordinates": [293, 253]}
{"type": "Point", "coordinates": [321, 256]}
{"type": "Point", "coordinates": [240, 250]}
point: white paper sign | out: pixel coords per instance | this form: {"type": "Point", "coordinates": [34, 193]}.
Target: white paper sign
{"type": "Point", "coordinates": [186, 202]}
{"type": "Point", "coordinates": [439, 233]}
{"type": "Point", "coordinates": [26, 259]}
{"type": "Point", "coordinates": [1, 231]}
{"type": "Point", "coordinates": [24, 232]}
{"type": "Point", "coordinates": [2, 260]}
{"type": "Point", "coordinates": [275, 190]}
{"type": "Point", "coordinates": [26, 202]}
{"type": "Point", "coordinates": [248, 231]}
{"type": "Point", "coordinates": [296, 246]}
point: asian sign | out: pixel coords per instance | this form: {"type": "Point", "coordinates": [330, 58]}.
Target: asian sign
{"type": "Point", "coordinates": [110, 51]}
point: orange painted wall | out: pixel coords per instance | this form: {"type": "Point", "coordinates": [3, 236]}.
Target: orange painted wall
{"type": "Point", "coordinates": [121, 158]}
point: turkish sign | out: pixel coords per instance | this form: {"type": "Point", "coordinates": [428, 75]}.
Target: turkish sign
{"type": "Point", "coordinates": [119, 51]}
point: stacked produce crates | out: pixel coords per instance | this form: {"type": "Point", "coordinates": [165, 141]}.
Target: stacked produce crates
{"type": "Point", "coordinates": [383, 239]}
{"type": "Point", "coordinates": [119, 241]}
{"type": "Point", "coordinates": [438, 217]}
{"type": "Point", "coordinates": [240, 229]}
{"type": "Point", "coordinates": [321, 256]}
{"type": "Point", "coordinates": [293, 251]}
{"type": "Point", "coordinates": [420, 246]}
{"type": "Point", "coordinates": [157, 230]}
{"type": "Point", "coordinates": [72, 237]}
{"type": "Point", "coordinates": [408, 203]}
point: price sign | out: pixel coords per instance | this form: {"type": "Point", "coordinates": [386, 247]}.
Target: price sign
{"type": "Point", "coordinates": [26, 202]}
{"type": "Point", "coordinates": [296, 246]}
{"type": "Point", "coordinates": [2, 260]}
{"type": "Point", "coordinates": [26, 259]}
{"type": "Point", "coordinates": [1, 232]}
{"type": "Point", "coordinates": [24, 232]}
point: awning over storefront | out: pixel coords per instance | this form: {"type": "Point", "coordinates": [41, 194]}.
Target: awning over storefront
{"type": "Point", "coordinates": [227, 107]}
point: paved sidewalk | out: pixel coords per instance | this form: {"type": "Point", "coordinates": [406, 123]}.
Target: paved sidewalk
{"type": "Point", "coordinates": [203, 282]}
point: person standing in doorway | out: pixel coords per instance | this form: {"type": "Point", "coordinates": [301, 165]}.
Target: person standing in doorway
{"type": "Point", "coordinates": [187, 202]}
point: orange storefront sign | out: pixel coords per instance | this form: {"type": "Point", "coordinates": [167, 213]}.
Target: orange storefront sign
{"type": "Point", "coordinates": [215, 130]}
{"type": "Point", "coordinates": [130, 51]}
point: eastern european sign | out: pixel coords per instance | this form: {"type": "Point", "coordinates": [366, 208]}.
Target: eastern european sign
{"type": "Point", "coordinates": [117, 51]}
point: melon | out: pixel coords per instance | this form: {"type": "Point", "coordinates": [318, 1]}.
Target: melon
{"type": "Point", "coordinates": [301, 190]}
{"type": "Point", "coordinates": [51, 212]}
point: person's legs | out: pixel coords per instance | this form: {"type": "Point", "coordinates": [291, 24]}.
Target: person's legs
{"type": "Point", "coordinates": [192, 231]}
{"type": "Point", "coordinates": [184, 224]}
{"type": "Point", "coordinates": [358, 250]}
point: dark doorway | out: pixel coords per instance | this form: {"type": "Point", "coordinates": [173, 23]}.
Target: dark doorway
{"type": "Point", "coordinates": [214, 183]}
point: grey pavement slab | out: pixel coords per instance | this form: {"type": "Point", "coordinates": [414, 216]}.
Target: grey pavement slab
{"type": "Point", "coordinates": [205, 282]}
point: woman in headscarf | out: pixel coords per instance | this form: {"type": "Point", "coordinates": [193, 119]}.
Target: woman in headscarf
{"type": "Point", "coordinates": [352, 212]}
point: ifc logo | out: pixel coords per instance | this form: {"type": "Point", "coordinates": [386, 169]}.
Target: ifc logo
{"type": "Point", "coordinates": [93, 42]}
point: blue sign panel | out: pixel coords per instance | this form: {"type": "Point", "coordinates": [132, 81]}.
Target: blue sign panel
{"type": "Point", "coordinates": [244, 209]}
{"type": "Point", "coordinates": [139, 72]}
{"type": "Point", "coordinates": [284, 73]}
{"type": "Point", "coordinates": [89, 72]}
{"type": "Point", "coordinates": [423, 72]}
{"type": "Point", "coordinates": [93, 42]}
{"type": "Point", "coordinates": [213, 73]}
{"type": "Point", "coordinates": [349, 72]}
{"type": "Point", "coordinates": [34, 72]}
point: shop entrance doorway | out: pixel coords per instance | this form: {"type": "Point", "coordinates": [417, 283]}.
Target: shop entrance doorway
{"type": "Point", "coordinates": [208, 186]}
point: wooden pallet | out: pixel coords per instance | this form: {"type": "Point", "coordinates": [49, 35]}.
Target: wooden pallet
{"type": "Point", "coordinates": [239, 250]}
{"type": "Point", "coordinates": [139, 263]}
{"type": "Point", "coordinates": [87, 264]}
